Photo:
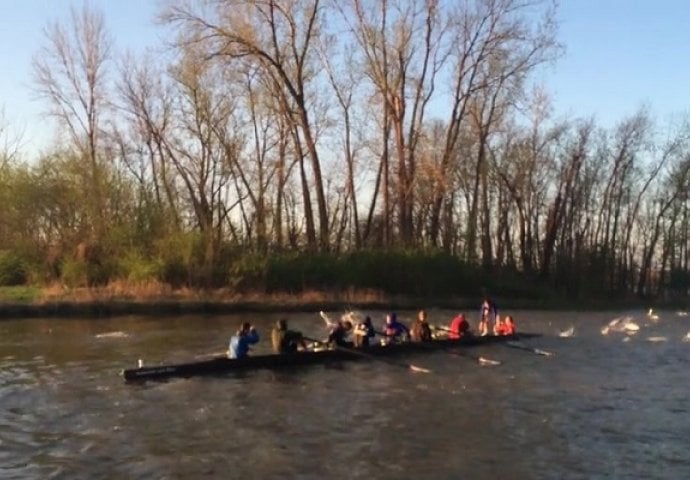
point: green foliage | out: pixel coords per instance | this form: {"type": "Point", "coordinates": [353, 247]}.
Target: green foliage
{"type": "Point", "coordinates": [136, 268]}
{"type": "Point", "coordinates": [176, 254]}
{"type": "Point", "coordinates": [74, 273]}
{"type": "Point", "coordinates": [403, 272]}
{"type": "Point", "coordinates": [13, 270]}
{"type": "Point", "coordinates": [19, 294]}
{"type": "Point", "coordinates": [249, 272]}
{"type": "Point", "coordinates": [302, 271]}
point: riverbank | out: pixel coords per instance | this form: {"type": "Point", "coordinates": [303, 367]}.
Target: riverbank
{"type": "Point", "coordinates": [117, 300]}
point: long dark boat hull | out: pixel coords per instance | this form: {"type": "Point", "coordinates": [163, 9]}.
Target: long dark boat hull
{"type": "Point", "coordinates": [274, 361]}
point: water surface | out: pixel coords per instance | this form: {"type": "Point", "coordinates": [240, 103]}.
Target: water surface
{"type": "Point", "coordinates": [601, 407]}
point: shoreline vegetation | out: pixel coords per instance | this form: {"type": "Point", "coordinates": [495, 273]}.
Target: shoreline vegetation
{"type": "Point", "coordinates": [293, 282]}
{"type": "Point", "coordinates": [110, 301]}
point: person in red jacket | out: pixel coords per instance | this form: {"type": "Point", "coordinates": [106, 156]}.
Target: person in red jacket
{"type": "Point", "coordinates": [459, 327]}
{"type": "Point", "coordinates": [509, 327]}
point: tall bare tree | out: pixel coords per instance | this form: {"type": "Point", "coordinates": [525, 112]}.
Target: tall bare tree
{"type": "Point", "coordinates": [276, 34]}
{"type": "Point", "coordinates": [70, 72]}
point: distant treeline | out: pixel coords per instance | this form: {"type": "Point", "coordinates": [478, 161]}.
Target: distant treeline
{"type": "Point", "coordinates": [399, 146]}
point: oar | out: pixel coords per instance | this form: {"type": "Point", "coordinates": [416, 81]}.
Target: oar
{"type": "Point", "coordinates": [481, 360]}
{"type": "Point", "coordinates": [223, 353]}
{"type": "Point", "coordinates": [521, 346]}
{"type": "Point", "coordinates": [353, 351]}
{"type": "Point", "coordinates": [326, 318]}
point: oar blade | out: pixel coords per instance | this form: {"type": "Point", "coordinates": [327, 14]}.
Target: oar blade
{"type": "Point", "coordinates": [521, 346]}
{"type": "Point", "coordinates": [418, 369]}
{"type": "Point", "coordinates": [488, 362]}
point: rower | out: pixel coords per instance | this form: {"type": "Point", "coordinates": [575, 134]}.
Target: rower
{"type": "Point", "coordinates": [488, 312]}
{"type": "Point", "coordinates": [509, 327]}
{"type": "Point", "coordinates": [240, 342]}
{"type": "Point", "coordinates": [338, 334]}
{"type": "Point", "coordinates": [285, 340]}
{"type": "Point", "coordinates": [394, 330]}
{"type": "Point", "coordinates": [420, 331]}
{"type": "Point", "coordinates": [459, 327]}
{"type": "Point", "coordinates": [499, 326]}
{"type": "Point", "coordinates": [363, 331]}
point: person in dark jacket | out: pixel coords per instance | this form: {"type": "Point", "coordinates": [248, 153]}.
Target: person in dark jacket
{"type": "Point", "coordinates": [241, 341]}
{"type": "Point", "coordinates": [420, 331]}
{"type": "Point", "coordinates": [338, 334]}
{"type": "Point", "coordinates": [363, 332]}
{"type": "Point", "coordinates": [285, 340]}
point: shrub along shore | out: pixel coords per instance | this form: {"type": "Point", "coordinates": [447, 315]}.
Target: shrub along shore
{"type": "Point", "coordinates": [104, 302]}
{"type": "Point", "coordinates": [313, 282]}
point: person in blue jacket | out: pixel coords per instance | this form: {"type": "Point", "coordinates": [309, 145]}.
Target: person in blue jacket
{"type": "Point", "coordinates": [394, 330]}
{"type": "Point", "coordinates": [240, 342]}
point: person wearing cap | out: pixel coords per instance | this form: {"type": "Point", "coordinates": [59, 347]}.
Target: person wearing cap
{"type": "Point", "coordinates": [338, 334]}
{"type": "Point", "coordinates": [420, 331]}
{"type": "Point", "coordinates": [285, 340]}
{"type": "Point", "coordinates": [459, 327]}
{"type": "Point", "coordinates": [487, 315]}
{"type": "Point", "coordinates": [240, 342]}
{"type": "Point", "coordinates": [363, 332]}
{"type": "Point", "coordinates": [394, 330]}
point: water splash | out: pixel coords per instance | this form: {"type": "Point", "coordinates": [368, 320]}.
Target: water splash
{"type": "Point", "coordinates": [567, 333]}
{"type": "Point", "coordinates": [621, 325]}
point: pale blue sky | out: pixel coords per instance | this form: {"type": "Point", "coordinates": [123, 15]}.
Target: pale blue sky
{"type": "Point", "coordinates": [619, 55]}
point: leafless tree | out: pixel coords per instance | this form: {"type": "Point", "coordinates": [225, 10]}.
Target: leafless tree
{"type": "Point", "coordinates": [70, 72]}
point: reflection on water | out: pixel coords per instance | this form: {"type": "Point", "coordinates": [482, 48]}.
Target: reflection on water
{"type": "Point", "coordinates": [599, 408]}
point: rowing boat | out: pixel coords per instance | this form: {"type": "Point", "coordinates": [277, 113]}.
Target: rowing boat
{"type": "Point", "coordinates": [273, 361]}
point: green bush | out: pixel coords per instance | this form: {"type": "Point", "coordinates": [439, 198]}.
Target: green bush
{"type": "Point", "coordinates": [74, 273]}
{"type": "Point", "coordinates": [13, 270]}
{"type": "Point", "coordinates": [248, 272]}
{"type": "Point", "coordinates": [19, 294]}
{"type": "Point", "coordinates": [136, 268]}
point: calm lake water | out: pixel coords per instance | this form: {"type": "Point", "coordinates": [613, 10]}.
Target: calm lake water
{"type": "Point", "coordinates": [601, 407]}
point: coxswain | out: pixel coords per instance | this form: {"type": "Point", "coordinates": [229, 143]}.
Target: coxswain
{"type": "Point", "coordinates": [487, 312]}
{"type": "Point", "coordinates": [285, 340]}
{"type": "Point", "coordinates": [240, 342]}
{"type": "Point", "coordinates": [363, 331]}
{"type": "Point", "coordinates": [420, 331]}
{"type": "Point", "coordinates": [338, 334]}
{"type": "Point", "coordinates": [394, 330]}
{"type": "Point", "coordinates": [459, 327]}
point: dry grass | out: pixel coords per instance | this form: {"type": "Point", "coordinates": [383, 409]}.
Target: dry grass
{"type": "Point", "coordinates": [151, 292]}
